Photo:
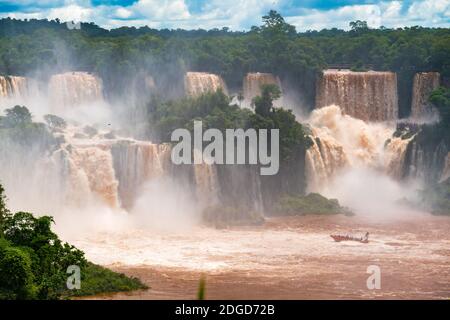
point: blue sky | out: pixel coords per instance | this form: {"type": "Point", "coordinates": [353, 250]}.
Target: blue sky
{"type": "Point", "coordinates": [235, 14]}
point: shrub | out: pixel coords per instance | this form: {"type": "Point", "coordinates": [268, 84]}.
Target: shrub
{"type": "Point", "coordinates": [312, 203]}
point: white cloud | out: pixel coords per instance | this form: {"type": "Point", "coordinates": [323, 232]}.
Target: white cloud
{"type": "Point", "coordinates": [71, 12]}
{"type": "Point", "coordinates": [430, 13]}
{"type": "Point", "coordinates": [123, 13]}
{"type": "Point", "coordinates": [429, 10]}
{"type": "Point", "coordinates": [238, 14]}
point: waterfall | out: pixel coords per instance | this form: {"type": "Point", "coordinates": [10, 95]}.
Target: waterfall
{"type": "Point", "coordinates": [341, 141]}
{"type": "Point", "coordinates": [198, 83]}
{"type": "Point", "coordinates": [369, 96]}
{"type": "Point", "coordinates": [71, 89]}
{"type": "Point", "coordinates": [206, 184]}
{"type": "Point", "coordinates": [91, 168]}
{"type": "Point", "coordinates": [12, 86]}
{"type": "Point", "coordinates": [425, 161]}
{"type": "Point", "coordinates": [424, 83]}
{"type": "Point", "coordinates": [135, 162]}
{"type": "Point", "coordinates": [396, 156]}
{"type": "Point", "coordinates": [107, 170]}
{"type": "Point", "coordinates": [252, 86]}
{"type": "Point", "coordinates": [324, 159]}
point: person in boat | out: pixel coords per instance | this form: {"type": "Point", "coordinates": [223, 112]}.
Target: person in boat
{"type": "Point", "coordinates": [366, 237]}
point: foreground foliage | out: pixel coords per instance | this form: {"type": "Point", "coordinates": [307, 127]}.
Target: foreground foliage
{"type": "Point", "coordinates": [97, 279]}
{"type": "Point", "coordinates": [34, 261]}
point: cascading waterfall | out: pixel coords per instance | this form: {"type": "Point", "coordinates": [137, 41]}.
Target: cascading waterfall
{"type": "Point", "coordinates": [340, 141]}
{"type": "Point", "coordinates": [94, 166]}
{"type": "Point", "coordinates": [13, 87]}
{"type": "Point", "coordinates": [425, 162]}
{"type": "Point", "coordinates": [97, 166]}
{"type": "Point", "coordinates": [89, 167]}
{"type": "Point", "coordinates": [136, 162]}
{"type": "Point", "coordinates": [369, 96]}
{"type": "Point", "coordinates": [323, 161]}
{"type": "Point", "coordinates": [395, 155]}
{"type": "Point", "coordinates": [113, 169]}
{"type": "Point", "coordinates": [198, 83]}
{"type": "Point", "coordinates": [58, 96]}
{"type": "Point", "coordinates": [206, 184]}
{"type": "Point", "coordinates": [424, 83]}
{"type": "Point", "coordinates": [252, 86]}
{"type": "Point", "coordinates": [71, 89]}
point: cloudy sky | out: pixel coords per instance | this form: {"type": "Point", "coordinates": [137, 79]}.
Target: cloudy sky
{"type": "Point", "coordinates": [235, 14]}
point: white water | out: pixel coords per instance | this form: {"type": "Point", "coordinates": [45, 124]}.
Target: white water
{"type": "Point", "coordinates": [96, 179]}
{"type": "Point", "coordinates": [357, 162]}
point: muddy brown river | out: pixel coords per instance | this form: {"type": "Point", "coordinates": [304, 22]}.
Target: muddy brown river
{"type": "Point", "coordinates": [286, 258]}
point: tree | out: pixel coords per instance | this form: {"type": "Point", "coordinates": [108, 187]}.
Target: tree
{"type": "Point", "coordinates": [16, 116]}
{"type": "Point", "coordinates": [4, 212]}
{"type": "Point", "coordinates": [16, 276]}
{"type": "Point", "coordinates": [264, 103]}
{"type": "Point", "coordinates": [358, 26]}
{"type": "Point", "coordinates": [50, 257]}
{"type": "Point", "coordinates": [55, 122]}
{"type": "Point", "coordinates": [274, 21]}
{"type": "Point", "coordinates": [440, 98]}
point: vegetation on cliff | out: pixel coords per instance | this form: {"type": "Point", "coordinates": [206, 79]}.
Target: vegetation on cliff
{"type": "Point", "coordinates": [215, 111]}
{"type": "Point", "coordinates": [17, 128]}
{"type": "Point", "coordinates": [313, 203]}
{"type": "Point", "coordinates": [34, 261]}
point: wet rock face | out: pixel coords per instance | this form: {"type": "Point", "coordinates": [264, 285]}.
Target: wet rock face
{"type": "Point", "coordinates": [369, 96]}
{"type": "Point", "coordinates": [424, 83]}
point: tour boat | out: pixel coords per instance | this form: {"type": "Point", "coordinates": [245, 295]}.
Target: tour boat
{"type": "Point", "coordinates": [339, 238]}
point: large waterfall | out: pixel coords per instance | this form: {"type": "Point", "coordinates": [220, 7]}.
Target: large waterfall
{"type": "Point", "coordinates": [369, 96]}
{"type": "Point", "coordinates": [136, 162]}
{"type": "Point", "coordinates": [424, 83]}
{"type": "Point", "coordinates": [91, 174]}
{"type": "Point", "coordinates": [71, 89]}
{"type": "Point", "coordinates": [197, 83]}
{"type": "Point", "coordinates": [253, 82]}
{"type": "Point", "coordinates": [99, 166]}
{"type": "Point", "coordinates": [59, 95]}
{"type": "Point", "coordinates": [341, 141]}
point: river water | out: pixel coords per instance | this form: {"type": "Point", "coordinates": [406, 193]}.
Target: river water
{"type": "Point", "coordinates": [286, 258]}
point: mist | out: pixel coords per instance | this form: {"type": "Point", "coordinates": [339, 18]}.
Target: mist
{"type": "Point", "coordinates": [373, 194]}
